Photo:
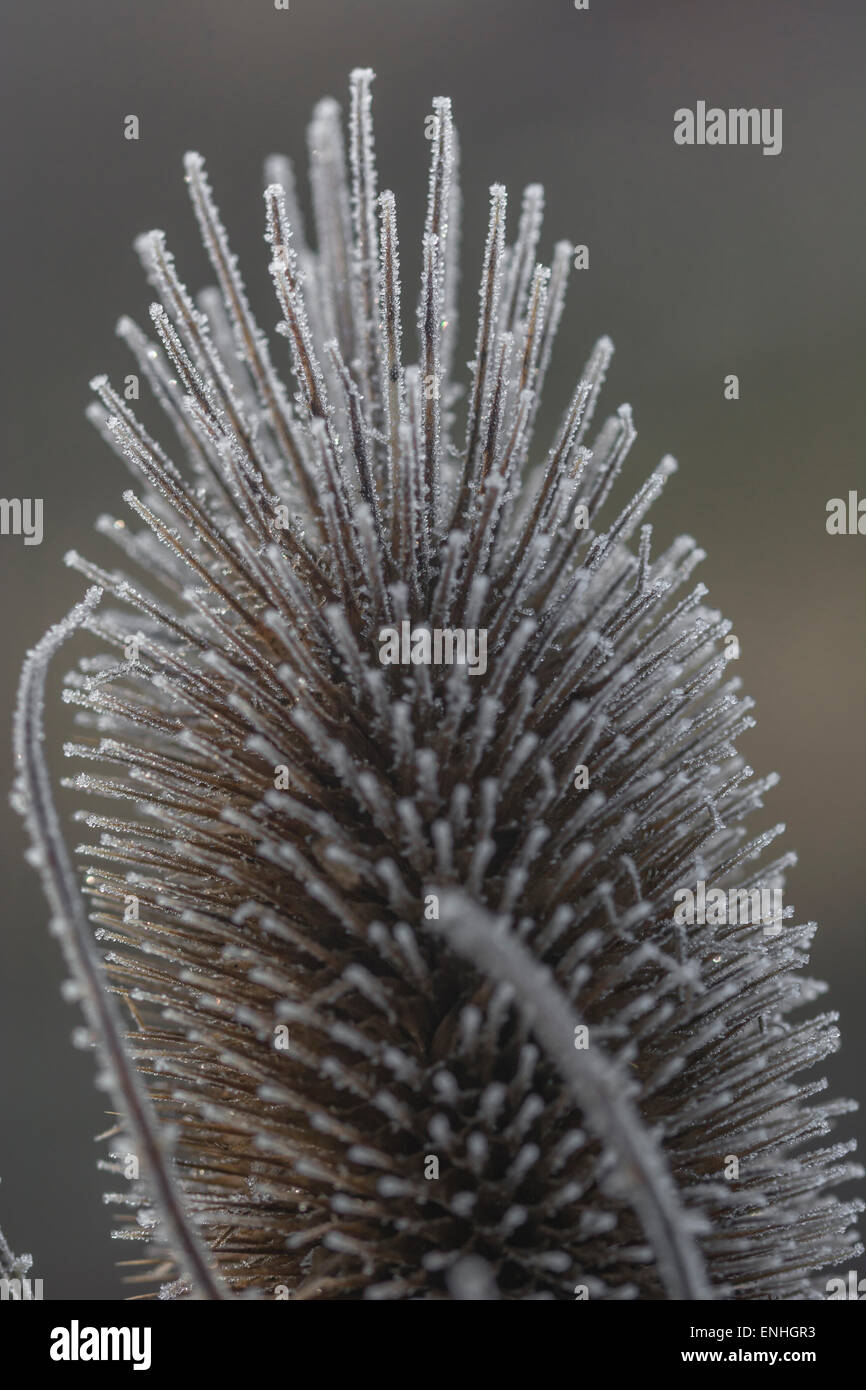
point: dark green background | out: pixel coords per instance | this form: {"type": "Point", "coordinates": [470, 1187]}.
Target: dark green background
{"type": "Point", "coordinates": [703, 262]}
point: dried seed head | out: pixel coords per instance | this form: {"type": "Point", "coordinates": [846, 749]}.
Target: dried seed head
{"type": "Point", "coordinates": [414, 746]}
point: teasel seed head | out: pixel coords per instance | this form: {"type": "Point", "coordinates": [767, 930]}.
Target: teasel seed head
{"type": "Point", "coordinates": [389, 994]}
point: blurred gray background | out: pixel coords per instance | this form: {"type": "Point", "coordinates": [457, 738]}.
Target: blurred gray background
{"type": "Point", "coordinates": [703, 262]}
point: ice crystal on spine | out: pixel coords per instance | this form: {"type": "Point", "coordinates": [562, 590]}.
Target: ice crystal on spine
{"type": "Point", "coordinates": [362, 917]}
{"type": "Point", "coordinates": [13, 1267]}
